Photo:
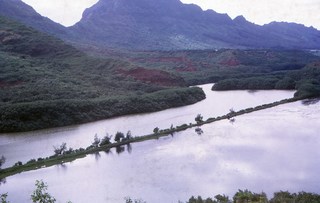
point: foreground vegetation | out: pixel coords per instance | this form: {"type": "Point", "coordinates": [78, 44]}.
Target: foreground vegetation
{"type": "Point", "coordinates": [63, 155]}
{"type": "Point", "coordinates": [41, 195]}
{"type": "Point", "coordinates": [246, 196]}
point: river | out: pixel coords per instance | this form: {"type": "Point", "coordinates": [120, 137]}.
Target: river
{"type": "Point", "coordinates": [270, 150]}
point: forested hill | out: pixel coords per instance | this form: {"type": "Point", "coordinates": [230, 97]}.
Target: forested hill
{"type": "Point", "coordinates": [46, 83]}
{"type": "Point", "coordinates": [170, 24]}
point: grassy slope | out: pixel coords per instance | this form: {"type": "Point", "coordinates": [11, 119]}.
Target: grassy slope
{"type": "Point", "coordinates": [46, 83]}
{"type": "Point", "coordinates": [238, 69]}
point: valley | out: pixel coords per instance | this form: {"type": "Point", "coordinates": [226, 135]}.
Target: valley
{"type": "Point", "coordinates": [187, 102]}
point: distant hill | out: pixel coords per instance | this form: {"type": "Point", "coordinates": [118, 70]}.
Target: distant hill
{"type": "Point", "coordinates": [165, 25]}
{"type": "Point", "coordinates": [170, 24]}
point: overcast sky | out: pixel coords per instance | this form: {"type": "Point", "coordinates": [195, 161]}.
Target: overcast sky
{"type": "Point", "coordinates": [68, 12]}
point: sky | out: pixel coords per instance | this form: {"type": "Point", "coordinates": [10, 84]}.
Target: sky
{"type": "Point", "coordinates": [307, 12]}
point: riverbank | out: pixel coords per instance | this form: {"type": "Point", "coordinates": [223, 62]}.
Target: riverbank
{"type": "Point", "coordinates": [80, 153]}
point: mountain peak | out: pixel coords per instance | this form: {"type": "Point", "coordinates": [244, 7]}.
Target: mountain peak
{"type": "Point", "coordinates": [240, 19]}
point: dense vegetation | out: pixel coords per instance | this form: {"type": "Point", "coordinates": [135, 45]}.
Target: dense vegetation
{"type": "Point", "coordinates": [306, 81]}
{"type": "Point", "coordinates": [41, 195]}
{"type": "Point", "coordinates": [45, 83]}
{"type": "Point", "coordinates": [246, 196]}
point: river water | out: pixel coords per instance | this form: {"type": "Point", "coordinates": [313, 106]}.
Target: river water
{"type": "Point", "coordinates": [270, 150]}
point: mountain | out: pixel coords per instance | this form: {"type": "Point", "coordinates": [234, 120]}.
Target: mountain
{"type": "Point", "coordinates": [164, 25]}
{"type": "Point", "coordinates": [19, 11]}
{"type": "Point", "coordinates": [170, 24]}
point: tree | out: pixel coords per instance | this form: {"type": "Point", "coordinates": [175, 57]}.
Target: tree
{"type": "Point", "coordinates": [106, 140]}
{"type": "Point", "coordinates": [199, 118]}
{"type": "Point", "coordinates": [59, 150]}
{"type": "Point", "coordinates": [96, 141]}
{"type": "Point", "coordinates": [2, 160]}
{"type": "Point", "coordinates": [40, 194]}
{"type": "Point", "coordinates": [129, 200]}
{"type": "Point", "coordinates": [282, 196]}
{"type": "Point", "coordinates": [4, 198]}
{"type": "Point", "coordinates": [156, 130]}
{"type": "Point", "coordinates": [222, 198]}
{"type": "Point", "coordinates": [118, 137]}
{"type": "Point", "coordinates": [129, 135]}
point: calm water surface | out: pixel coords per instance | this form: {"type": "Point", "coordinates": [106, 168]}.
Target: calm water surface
{"type": "Point", "coordinates": [25, 146]}
{"type": "Point", "coordinates": [270, 150]}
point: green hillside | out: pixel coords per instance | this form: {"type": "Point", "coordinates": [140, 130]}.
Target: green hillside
{"type": "Point", "coordinates": [46, 83]}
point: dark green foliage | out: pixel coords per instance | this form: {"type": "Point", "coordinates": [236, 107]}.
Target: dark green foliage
{"type": "Point", "coordinates": [129, 200]}
{"type": "Point", "coordinates": [128, 136]}
{"type": "Point", "coordinates": [199, 199]}
{"type": "Point", "coordinates": [246, 196]}
{"type": "Point", "coordinates": [305, 197]}
{"type": "Point", "coordinates": [3, 198]}
{"type": "Point", "coordinates": [96, 141]}
{"type": "Point", "coordinates": [222, 198]}
{"type": "Point", "coordinates": [19, 163]}
{"type": "Point", "coordinates": [40, 194]}
{"type": "Point", "coordinates": [199, 118]}
{"type": "Point", "coordinates": [2, 160]}
{"type": "Point", "coordinates": [119, 136]}
{"type": "Point", "coordinates": [46, 83]}
{"type": "Point", "coordinates": [44, 114]}
{"type": "Point", "coordinates": [106, 140]}
{"type": "Point", "coordinates": [254, 83]}
{"type": "Point", "coordinates": [31, 161]}
{"type": "Point", "coordinates": [59, 150]}
{"type": "Point", "coordinates": [156, 130]}
{"type": "Point", "coordinates": [286, 83]}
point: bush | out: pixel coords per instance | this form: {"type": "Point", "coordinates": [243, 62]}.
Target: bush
{"type": "Point", "coordinates": [106, 140]}
{"type": "Point", "coordinates": [19, 163]}
{"type": "Point", "coordinates": [118, 137]}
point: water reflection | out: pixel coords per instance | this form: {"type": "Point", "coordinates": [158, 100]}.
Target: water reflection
{"type": "Point", "coordinates": [108, 151]}
{"type": "Point", "coordinates": [25, 146]}
{"type": "Point", "coordinates": [120, 149]}
{"type": "Point", "coordinates": [3, 181]}
{"type": "Point", "coordinates": [62, 166]}
{"type": "Point", "coordinates": [97, 156]}
{"type": "Point", "coordinates": [232, 120]}
{"type": "Point", "coordinates": [198, 130]}
{"type": "Point", "coordinates": [308, 102]}
{"type": "Point", "coordinates": [129, 148]}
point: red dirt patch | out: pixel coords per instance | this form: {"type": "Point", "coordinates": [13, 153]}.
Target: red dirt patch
{"type": "Point", "coordinates": [9, 84]}
{"type": "Point", "coordinates": [157, 77]}
{"type": "Point", "coordinates": [230, 62]}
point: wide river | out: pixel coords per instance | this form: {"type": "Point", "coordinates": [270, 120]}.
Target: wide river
{"type": "Point", "coordinates": [269, 150]}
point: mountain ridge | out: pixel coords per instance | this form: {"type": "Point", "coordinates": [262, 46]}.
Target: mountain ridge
{"type": "Point", "coordinates": [165, 25]}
